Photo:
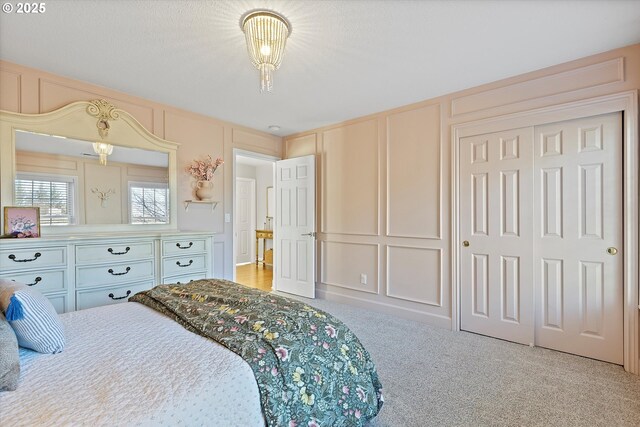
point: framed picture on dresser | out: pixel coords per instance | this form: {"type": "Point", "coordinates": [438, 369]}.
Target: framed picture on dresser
{"type": "Point", "coordinates": [21, 221]}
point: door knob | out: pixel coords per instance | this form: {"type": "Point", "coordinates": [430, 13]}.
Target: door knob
{"type": "Point", "coordinates": [612, 250]}
{"type": "Point", "coordinates": [465, 243]}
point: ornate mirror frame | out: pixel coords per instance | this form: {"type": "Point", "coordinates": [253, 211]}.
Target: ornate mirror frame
{"type": "Point", "coordinates": [96, 120]}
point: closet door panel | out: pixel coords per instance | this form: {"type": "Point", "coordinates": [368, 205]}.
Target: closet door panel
{"type": "Point", "coordinates": [578, 216]}
{"type": "Point", "coordinates": [495, 213]}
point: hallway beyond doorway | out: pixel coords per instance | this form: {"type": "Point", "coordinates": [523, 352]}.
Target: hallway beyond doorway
{"type": "Point", "coordinates": [258, 277]}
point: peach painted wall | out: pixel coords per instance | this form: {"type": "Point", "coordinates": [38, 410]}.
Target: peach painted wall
{"type": "Point", "coordinates": [27, 90]}
{"type": "Point", "coordinates": [384, 184]}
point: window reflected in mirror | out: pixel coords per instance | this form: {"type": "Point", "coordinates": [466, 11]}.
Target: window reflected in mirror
{"type": "Point", "coordinates": [55, 195]}
{"type": "Point", "coordinates": [148, 203]}
{"type": "Point", "coordinates": [72, 185]}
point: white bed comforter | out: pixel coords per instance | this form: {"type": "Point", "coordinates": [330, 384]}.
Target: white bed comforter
{"type": "Point", "coordinates": [126, 364]}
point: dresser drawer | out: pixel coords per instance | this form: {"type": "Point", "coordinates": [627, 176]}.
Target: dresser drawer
{"type": "Point", "coordinates": [114, 273]}
{"type": "Point", "coordinates": [117, 252]}
{"type": "Point", "coordinates": [183, 246]}
{"type": "Point", "coordinates": [42, 281]}
{"type": "Point", "coordinates": [183, 265]}
{"type": "Point", "coordinates": [22, 259]}
{"type": "Point", "coordinates": [183, 279]}
{"type": "Point", "coordinates": [109, 295]}
{"type": "Point", "coordinates": [59, 302]}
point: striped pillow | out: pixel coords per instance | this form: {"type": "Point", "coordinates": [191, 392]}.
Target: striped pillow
{"type": "Point", "coordinates": [32, 317]}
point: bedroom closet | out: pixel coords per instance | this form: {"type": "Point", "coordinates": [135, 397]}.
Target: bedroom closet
{"type": "Point", "coordinates": [541, 231]}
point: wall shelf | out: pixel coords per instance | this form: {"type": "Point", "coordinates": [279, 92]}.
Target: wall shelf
{"type": "Point", "coordinates": [200, 202]}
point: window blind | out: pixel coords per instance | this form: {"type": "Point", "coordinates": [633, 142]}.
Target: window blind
{"type": "Point", "coordinates": [148, 203]}
{"type": "Point", "coordinates": [52, 194]}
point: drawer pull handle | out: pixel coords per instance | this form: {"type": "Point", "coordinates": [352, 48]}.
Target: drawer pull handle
{"type": "Point", "coordinates": [117, 298]}
{"type": "Point", "coordinates": [35, 282]}
{"type": "Point", "coordinates": [180, 283]}
{"type": "Point", "coordinates": [128, 269]}
{"type": "Point", "coordinates": [37, 255]}
{"type": "Point", "coordinates": [126, 251]}
{"type": "Point", "coordinates": [184, 247]}
{"type": "Point", "coordinates": [184, 265]}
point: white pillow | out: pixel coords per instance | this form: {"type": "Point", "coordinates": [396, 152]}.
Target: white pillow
{"type": "Point", "coordinates": [32, 317]}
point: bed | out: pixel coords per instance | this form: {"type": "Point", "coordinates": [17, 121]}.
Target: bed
{"type": "Point", "coordinates": [129, 364]}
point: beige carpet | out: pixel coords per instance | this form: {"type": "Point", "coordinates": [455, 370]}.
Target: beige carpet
{"type": "Point", "coordinates": [437, 377]}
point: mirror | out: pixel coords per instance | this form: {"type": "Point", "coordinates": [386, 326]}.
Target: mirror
{"type": "Point", "coordinates": [68, 181]}
{"type": "Point", "coordinates": [90, 167]}
{"type": "Point", "coordinates": [271, 203]}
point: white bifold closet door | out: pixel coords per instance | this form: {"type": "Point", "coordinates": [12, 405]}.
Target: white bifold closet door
{"type": "Point", "coordinates": [496, 215]}
{"type": "Point", "coordinates": [578, 222]}
{"type": "Point", "coordinates": [541, 208]}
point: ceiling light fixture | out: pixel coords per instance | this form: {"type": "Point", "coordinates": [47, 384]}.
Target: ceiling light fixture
{"type": "Point", "coordinates": [274, 128]}
{"type": "Point", "coordinates": [103, 150]}
{"type": "Point", "coordinates": [266, 33]}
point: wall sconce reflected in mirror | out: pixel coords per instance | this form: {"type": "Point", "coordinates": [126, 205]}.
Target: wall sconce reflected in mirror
{"type": "Point", "coordinates": [271, 208]}
{"type": "Point", "coordinates": [103, 150]}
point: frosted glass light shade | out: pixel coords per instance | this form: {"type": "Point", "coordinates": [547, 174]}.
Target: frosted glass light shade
{"type": "Point", "coordinates": [266, 33]}
{"type": "Point", "coordinates": [103, 150]}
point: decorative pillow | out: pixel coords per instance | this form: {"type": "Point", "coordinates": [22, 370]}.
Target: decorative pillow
{"type": "Point", "coordinates": [9, 357]}
{"type": "Point", "coordinates": [32, 317]}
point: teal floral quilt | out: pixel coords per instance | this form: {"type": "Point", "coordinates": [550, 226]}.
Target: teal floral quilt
{"type": "Point", "coordinates": [310, 368]}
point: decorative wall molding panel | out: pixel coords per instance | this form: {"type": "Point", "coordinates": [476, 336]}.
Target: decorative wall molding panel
{"type": "Point", "coordinates": [415, 274]}
{"type": "Point", "coordinates": [414, 173]}
{"type": "Point", "coordinates": [350, 179]}
{"type": "Point", "coordinates": [10, 85]}
{"type": "Point", "coordinates": [252, 141]}
{"type": "Point", "coordinates": [338, 259]}
{"type": "Point", "coordinates": [611, 71]}
{"type": "Point", "coordinates": [301, 146]}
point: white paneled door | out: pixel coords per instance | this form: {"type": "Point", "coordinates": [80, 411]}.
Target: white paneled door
{"type": "Point", "coordinates": [577, 236]}
{"type": "Point", "coordinates": [245, 219]}
{"type": "Point", "coordinates": [540, 228]}
{"type": "Point", "coordinates": [497, 254]}
{"type": "Point", "coordinates": [294, 234]}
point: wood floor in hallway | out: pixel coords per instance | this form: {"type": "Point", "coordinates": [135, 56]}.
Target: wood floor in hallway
{"type": "Point", "coordinates": [256, 277]}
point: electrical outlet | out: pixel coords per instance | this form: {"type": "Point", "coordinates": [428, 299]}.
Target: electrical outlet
{"type": "Point", "coordinates": [363, 279]}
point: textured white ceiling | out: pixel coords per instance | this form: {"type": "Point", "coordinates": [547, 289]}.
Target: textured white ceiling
{"type": "Point", "coordinates": [344, 59]}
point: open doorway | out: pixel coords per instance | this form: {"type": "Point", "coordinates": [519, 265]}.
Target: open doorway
{"type": "Point", "coordinates": [253, 219]}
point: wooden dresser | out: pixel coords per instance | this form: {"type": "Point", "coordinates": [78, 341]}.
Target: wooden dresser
{"type": "Point", "coordinates": [82, 272]}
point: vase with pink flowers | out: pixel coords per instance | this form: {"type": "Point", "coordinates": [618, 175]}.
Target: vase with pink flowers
{"type": "Point", "coordinates": [202, 170]}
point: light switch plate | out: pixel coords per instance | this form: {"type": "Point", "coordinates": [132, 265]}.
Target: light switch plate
{"type": "Point", "coordinates": [227, 217]}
